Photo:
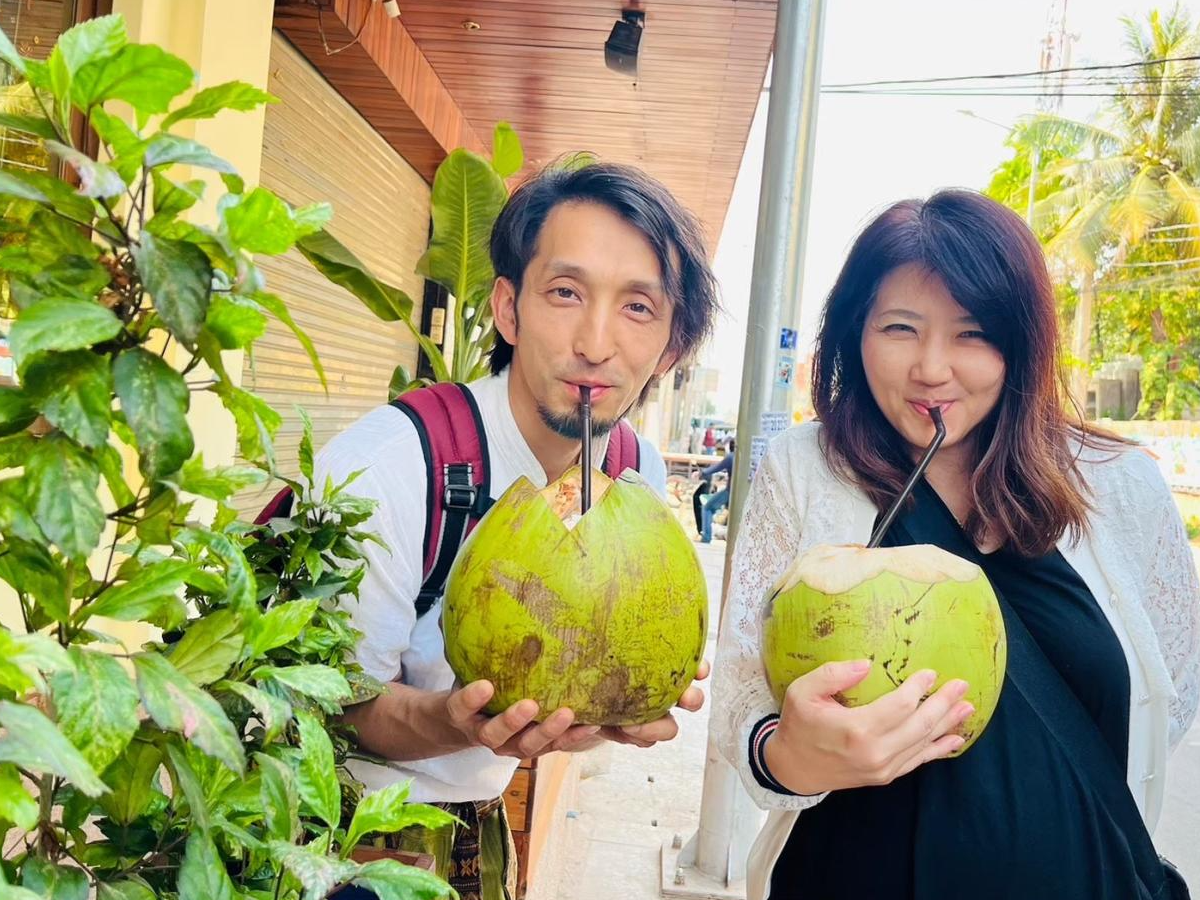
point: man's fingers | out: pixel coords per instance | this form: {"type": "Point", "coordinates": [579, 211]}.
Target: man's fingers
{"type": "Point", "coordinates": [496, 731]}
{"type": "Point", "coordinates": [663, 729]}
{"type": "Point", "coordinates": [466, 702]}
{"type": "Point", "coordinates": [692, 699]}
{"type": "Point", "coordinates": [536, 739]}
{"type": "Point", "coordinates": [577, 737]}
{"type": "Point", "coordinates": [704, 670]}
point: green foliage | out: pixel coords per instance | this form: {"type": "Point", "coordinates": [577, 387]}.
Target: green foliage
{"type": "Point", "coordinates": [209, 763]}
{"type": "Point", "coordinates": [1117, 206]}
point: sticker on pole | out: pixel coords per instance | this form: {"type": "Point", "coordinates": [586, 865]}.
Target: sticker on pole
{"type": "Point", "coordinates": [758, 449]}
{"type": "Point", "coordinates": [787, 339]}
{"type": "Point", "coordinates": [773, 423]}
{"type": "Point", "coordinates": [785, 371]}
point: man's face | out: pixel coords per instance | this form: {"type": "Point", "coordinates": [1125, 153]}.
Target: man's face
{"type": "Point", "coordinates": [592, 312]}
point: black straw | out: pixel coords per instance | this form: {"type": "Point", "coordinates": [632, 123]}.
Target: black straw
{"type": "Point", "coordinates": [935, 413]}
{"type": "Point", "coordinates": [585, 462]}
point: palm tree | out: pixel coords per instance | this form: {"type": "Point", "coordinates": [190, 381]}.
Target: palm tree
{"type": "Point", "coordinates": [1132, 178]}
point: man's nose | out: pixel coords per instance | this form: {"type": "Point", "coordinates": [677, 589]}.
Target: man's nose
{"type": "Point", "coordinates": [595, 338]}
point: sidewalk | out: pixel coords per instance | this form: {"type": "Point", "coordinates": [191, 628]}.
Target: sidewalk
{"type": "Point", "coordinates": [630, 800]}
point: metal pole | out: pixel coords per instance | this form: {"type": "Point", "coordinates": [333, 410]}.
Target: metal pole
{"type": "Point", "coordinates": [713, 863]}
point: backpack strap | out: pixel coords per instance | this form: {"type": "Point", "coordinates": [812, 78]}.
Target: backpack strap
{"type": "Point", "coordinates": [450, 429]}
{"type": "Point", "coordinates": [280, 507]}
{"type": "Point", "coordinates": [624, 451]}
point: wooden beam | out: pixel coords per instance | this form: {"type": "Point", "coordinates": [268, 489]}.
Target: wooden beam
{"type": "Point", "coordinates": [374, 63]}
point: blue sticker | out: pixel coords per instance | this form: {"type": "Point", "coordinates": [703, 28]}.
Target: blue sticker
{"type": "Point", "coordinates": [787, 339]}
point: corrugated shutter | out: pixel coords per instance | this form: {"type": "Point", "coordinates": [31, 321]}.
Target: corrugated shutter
{"type": "Point", "coordinates": [316, 147]}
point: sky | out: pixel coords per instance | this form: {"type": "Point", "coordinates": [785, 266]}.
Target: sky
{"type": "Point", "coordinates": [873, 150]}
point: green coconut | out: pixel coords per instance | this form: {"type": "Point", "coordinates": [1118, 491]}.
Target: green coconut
{"type": "Point", "coordinates": [904, 608]}
{"type": "Point", "coordinates": [605, 612]}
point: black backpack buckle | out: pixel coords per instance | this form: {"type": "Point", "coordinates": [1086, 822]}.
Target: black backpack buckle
{"type": "Point", "coordinates": [460, 492]}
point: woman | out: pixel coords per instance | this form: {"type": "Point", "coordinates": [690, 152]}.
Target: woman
{"type": "Point", "coordinates": [948, 303]}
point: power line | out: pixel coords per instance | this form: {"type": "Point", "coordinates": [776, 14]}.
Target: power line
{"type": "Point", "coordinates": [1007, 75]}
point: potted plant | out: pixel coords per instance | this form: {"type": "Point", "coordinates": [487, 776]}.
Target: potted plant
{"type": "Point", "coordinates": [207, 764]}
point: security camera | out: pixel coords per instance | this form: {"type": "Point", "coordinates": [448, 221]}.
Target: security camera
{"type": "Point", "coordinates": [621, 48]}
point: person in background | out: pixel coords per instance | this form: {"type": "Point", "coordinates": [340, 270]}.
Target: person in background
{"type": "Point", "coordinates": [718, 501]}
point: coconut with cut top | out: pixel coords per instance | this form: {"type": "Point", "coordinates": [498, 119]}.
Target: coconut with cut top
{"type": "Point", "coordinates": [904, 608]}
{"type": "Point", "coordinates": [605, 612]}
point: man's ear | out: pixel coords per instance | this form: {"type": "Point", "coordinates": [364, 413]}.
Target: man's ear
{"type": "Point", "coordinates": [504, 309]}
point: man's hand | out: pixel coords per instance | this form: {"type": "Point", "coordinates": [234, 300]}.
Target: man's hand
{"type": "Point", "coordinates": [513, 732]}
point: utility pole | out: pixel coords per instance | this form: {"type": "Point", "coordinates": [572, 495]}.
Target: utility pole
{"type": "Point", "coordinates": [713, 862]}
{"type": "Point", "coordinates": [1055, 55]}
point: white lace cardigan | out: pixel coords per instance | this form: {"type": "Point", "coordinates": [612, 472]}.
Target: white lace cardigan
{"type": "Point", "coordinates": [1135, 559]}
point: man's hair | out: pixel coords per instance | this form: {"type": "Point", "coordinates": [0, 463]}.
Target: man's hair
{"type": "Point", "coordinates": [641, 201]}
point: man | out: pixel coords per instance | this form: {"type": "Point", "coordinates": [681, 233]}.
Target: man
{"type": "Point", "coordinates": [601, 281]}
{"type": "Point", "coordinates": [718, 501]}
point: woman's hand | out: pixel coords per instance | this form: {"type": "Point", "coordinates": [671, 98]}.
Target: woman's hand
{"type": "Point", "coordinates": [821, 745]}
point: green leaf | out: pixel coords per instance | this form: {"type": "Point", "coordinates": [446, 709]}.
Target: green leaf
{"type": "Point", "coordinates": [63, 481]}
{"type": "Point", "coordinates": [507, 154]}
{"type": "Point", "coordinates": [210, 101]}
{"type": "Point", "coordinates": [239, 577]}
{"type": "Point", "coordinates": [126, 889]}
{"type": "Point", "coordinates": [95, 178]}
{"type": "Point", "coordinates": [306, 446]}
{"type": "Point", "coordinates": [74, 392]}
{"type": "Point", "coordinates": [54, 882]}
{"type": "Point", "coordinates": [92, 40]}
{"type": "Point", "coordinates": [311, 218]}
{"type": "Point", "coordinates": [187, 784]}
{"type": "Point", "coordinates": [143, 75]}
{"type": "Point", "coordinates": [261, 223]}
{"type": "Point", "coordinates": [24, 657]}
{"type": "Point", "coordinates": [115, 131]}
{"type": "Point", "coordinates": [35, 125]}
{"type": "Point", "coordinates": [13, 185]}
{"type": "Point", "coordinates": [170, 199]}
{"type": "Point", "coordinates": [274, 712]}
{"type": "Point", "coordinates": [9, 892]}
{"type": "Point", "coordinates": [16, 805]}
{"type": "Point", "coordinates": [96, 706]}
{"type": "Point", "coordinates": [318, 874]}
{"type": "Point", "coordinates": [177, 705]}
{"type": "Point", "coordinates": [29, 567]}
{"type": "Point", "coordinates": [132, 778]}
{"type": "Point", "coordinates": [276, 307]}
{"type": "Point", "coordinates": [9, 54]}
{"type": "Point", "coordinates": [170, 149]}
{"type": "Point", "coordinates": [178, 276]}
{"type": "Point", "coordinates": [321, 683]}
{"type": "Point", "coordinates": [466, 200]}
{"type": "Point", "coordinates": [144, 594]}
{"type": "Point", "coordinates": [278, 626]}
{"type": "Point", "coordinates": [16, 411]}
{"type": "Point", "coordinates": [390, 879]}
{"type": "Point", "coordinates": [113, 469]}
{"type": "Point", "coordinates": [57, 324]}
{"type": "Point", "coordinates": [385, 811]}
{"type": "Point", "coordinates": [33, 742]}
{"type": "Point", "coordinates": [218, 483]}
{"type": "Point", "coordinates": [154, 398]}
{"type": "Point", "coordinates": [280, 800]}
{"type": "Point", "coordinates": [319, 788]}
{"type": "Point", "coordinates": [209, 647]}
{"type": "Point", "coordinates": [235, 322]}
{"type": "Point", "coordinates": [256, 421]}
{"type": "Point", "coordinates": [335, 261]}
{"type": "Point", "coordinates": [202, 875]}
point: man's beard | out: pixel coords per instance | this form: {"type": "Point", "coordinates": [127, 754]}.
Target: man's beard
{"type": "Point", "coordinates": [570, 425]}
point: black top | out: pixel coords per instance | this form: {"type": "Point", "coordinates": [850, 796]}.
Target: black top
{"type": "Point", "coordinates": [1021, 813]}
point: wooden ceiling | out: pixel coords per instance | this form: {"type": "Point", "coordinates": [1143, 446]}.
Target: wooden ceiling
{"type": "Point", "coordinates": [540, 65]}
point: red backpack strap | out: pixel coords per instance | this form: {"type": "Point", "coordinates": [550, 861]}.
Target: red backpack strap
{"type": "Point", "coordinates": [458, 478]}
{"type": "Point", "coordinates": [280, 507]}
{"type": "Point", "coordinates": [624, 452]}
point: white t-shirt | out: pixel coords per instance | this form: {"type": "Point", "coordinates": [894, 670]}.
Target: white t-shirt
{"type": "Point", "coordinates": [396, 646]}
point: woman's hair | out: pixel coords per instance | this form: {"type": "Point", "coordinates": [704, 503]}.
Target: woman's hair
{"type": "Point", "coordinates": [1025, 484]}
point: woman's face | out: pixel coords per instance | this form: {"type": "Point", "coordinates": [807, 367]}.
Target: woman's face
{"type": "Point", "coordinates": [920, 349]}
